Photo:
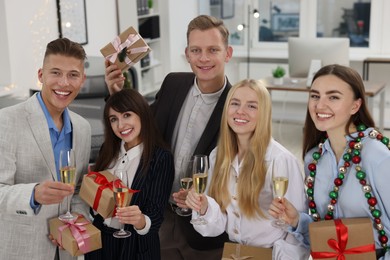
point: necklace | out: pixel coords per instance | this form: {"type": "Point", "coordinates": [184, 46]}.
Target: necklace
{"type": "Point", "coordinates": [352, 156]}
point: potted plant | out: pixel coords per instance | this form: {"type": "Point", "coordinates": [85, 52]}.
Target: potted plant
{"type": "Point", "coordinates": [278, 75]}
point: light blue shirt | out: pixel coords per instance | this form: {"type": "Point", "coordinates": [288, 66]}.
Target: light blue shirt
{"type": "Point", "coordinates": [59, 139]}
{"type": "Point", "coordinates": [375, 161]}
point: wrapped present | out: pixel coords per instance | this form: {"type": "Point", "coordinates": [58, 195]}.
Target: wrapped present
{"type": "Point", "coordinates": [96, 190]}
{"type": "Point", "coordinates": [342, 239]}
{"type": "Point", "coordinates": [76, 236]}
{"type": "Point", "coordinates": [233, 251]}
{"type": "Point", "coordinates": [126, 49]}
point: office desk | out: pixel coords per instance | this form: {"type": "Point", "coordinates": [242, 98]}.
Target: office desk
{"type": "Point", "coordinates": [372, 89]}
{"type": "Point", "coordinates": [368, 61]}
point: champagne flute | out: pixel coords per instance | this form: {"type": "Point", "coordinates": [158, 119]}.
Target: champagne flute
{"type": "Point", "coordinates": [280, 185]}
{"type": "Point", "coordinates": [67, 165]}
{"type": "Point", "coordinates": [199, 176]}
{"type": "Point", "coordinates": [185, 183]}
{"type": "Point", "coordinates": [121, 195]}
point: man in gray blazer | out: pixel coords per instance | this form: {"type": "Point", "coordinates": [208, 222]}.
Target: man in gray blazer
{"type": "Point", "coordinates": [31, 135]}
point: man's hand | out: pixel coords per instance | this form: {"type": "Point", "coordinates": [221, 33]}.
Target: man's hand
{"type": "Point", "coordinates": [180, 198]}
{"type": "Point", "coordinates": [113, 77]}
{"type": "Point", "coordinates": [52, 192]}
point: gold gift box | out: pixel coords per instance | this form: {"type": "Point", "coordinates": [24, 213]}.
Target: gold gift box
{"type": "Point", "coordinates": [103, 198]}
{"type": "Point", "coordinates": [93, 237]}
{"type": "Point", "coordinates": [358, 231]}
{"type": "Point", "coordinates": [240, 252]}
{"type": "Point", "coordinates": [130, 42]}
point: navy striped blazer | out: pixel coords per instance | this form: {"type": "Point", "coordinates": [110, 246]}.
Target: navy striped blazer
{"type": "Point", "coordinates": [155, 187]}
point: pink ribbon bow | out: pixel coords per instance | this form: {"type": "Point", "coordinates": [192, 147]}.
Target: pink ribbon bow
{"type": "Point", "coordinates": [118, 46]}
{"type": "Point", "coordinates": [78, 232]}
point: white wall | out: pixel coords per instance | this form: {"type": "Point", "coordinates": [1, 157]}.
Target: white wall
{"type": "Point", "coordinates": [29, 29]}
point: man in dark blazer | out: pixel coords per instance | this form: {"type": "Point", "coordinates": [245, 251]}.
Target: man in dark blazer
{"type": "Point", "coordinates": [188, 110]}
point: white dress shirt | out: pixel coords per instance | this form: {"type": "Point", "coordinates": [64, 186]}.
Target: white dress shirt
{"type": "Point", "coordinates": [191, 122]}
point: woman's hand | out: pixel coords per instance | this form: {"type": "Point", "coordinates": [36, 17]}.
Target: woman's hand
{"type": "Point", "coordinates": [197, 202]}
{"type": "Point", "coordinates": [131, 215]}
{"type": "Point", "coordinates": [284, 209]}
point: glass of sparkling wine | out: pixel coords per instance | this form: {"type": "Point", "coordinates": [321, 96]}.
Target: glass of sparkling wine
{"type": "Point", "coordinates": [280, 185]}
{"type": "Point", "coordinates": [185, 183]}
{"type": "Point", "coordinates": [121, 195]}
{"type": "Point", "coordinates": [67, 165]}
{"type": "Point", "coordinates": [199, 176]}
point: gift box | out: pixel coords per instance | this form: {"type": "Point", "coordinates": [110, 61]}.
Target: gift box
{"type": "Point", "coordinates": [233, 251]}
{"type": "Point", "coordinates": [77, 237]}
{"type": "Point", "coordinates": [126, 49]}
{"type": "Point", "coordinates": [353, 238]}
{"type": "Point", "coordinates": [96, 191]}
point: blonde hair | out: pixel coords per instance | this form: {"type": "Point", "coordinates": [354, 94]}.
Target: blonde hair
{"type": "Point", "coordinates": [252, 176]}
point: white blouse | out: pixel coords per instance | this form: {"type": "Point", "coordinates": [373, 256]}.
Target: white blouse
{"type": "Point", "coordinates": [129, 161]}
{"type": "Point", "coordinates": [258, 231]}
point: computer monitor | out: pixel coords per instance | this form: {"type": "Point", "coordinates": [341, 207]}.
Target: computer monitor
{"type": "Point", "coordinates": [302, 51]}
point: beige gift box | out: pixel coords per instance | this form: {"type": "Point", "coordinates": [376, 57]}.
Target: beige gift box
{"type": "Point", "coordinates": [96, 191]}
{"type": "Point", "coordinates": [126, 49]}
{"type": "Point", "coordinates": [240, 252]}
{"type": "Point", "coordinates": [84, 231]}
{"type": "Point", "coordinates": [355, 233]}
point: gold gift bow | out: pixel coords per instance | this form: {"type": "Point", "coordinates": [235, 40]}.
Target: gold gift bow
{"type": "Point", "coordinates": [118, 46]}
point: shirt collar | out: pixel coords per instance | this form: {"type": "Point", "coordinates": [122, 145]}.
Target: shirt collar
{"type": "Point", "coordinates": [65, 117]}
{"type": "Point", "coordinates": [207, 98]}
{"type": "Point", "coordinates": [326, 146]}
{"type": "Point", "coordinates": [132, 152]}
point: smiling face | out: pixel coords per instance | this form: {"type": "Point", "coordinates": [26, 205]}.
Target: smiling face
{"type": "Point", "coordinates": [243, 112]}
{"type": "Point", "coordinates": [207, 54]}
{"type": "Point", "coordinates": [331, 104]}
{"type": "Point", "coordinates": [126, 126]}
{"type": "Point", "coordinates": [62, 78]}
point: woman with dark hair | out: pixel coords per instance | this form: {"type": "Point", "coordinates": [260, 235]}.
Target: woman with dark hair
{"type": "Point", "coordinates": [132, 143]}
{"type": "Point", "coordinates": [347, 160]}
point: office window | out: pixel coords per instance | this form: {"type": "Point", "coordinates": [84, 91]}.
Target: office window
{"type": "Point", "coordinates": [347, 18]}
{"type": "Point", "coordinates": [232, 12]}
{"type": "Point", "coordinates": [279, 19]}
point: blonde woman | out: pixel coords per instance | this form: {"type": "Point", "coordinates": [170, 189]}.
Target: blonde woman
{"type": "Point", "coordinates": [240, 190]}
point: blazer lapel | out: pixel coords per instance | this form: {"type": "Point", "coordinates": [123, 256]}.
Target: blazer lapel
{"type": "Point", "coordinates": [182, 92]}
{"type": "Point", "coordinates": [36, 119]}
{"type": "Point", "coordinates": [210, 134]}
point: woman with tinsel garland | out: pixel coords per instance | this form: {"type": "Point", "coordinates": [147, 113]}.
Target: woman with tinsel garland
{"type": "Point", "coordinates": [347, 161]}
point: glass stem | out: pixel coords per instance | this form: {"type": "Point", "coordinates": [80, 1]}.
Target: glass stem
{"type": "Point", "coordinates": [68, 203]}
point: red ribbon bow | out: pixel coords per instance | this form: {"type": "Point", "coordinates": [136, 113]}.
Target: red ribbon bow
{"type": "Point", "coordinates": [78, 232]}
{"type": "Point", "coordinates": [339, 247]}
{"type": "Point", "coordinates": [103, 184]}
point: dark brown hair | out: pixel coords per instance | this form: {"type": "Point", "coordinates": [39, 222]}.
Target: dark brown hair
{"type": "Point", "coordinates": [363, 116]}
{"type": "Point", "coordinates": [123, 101]}
{"type": "Point", "coordinates": [65, 47]}
{"type": "Point", "coordinates": [206, 22]}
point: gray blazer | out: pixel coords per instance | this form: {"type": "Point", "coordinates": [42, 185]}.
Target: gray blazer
{"type": "Point", "coordinates": [26, 158]}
